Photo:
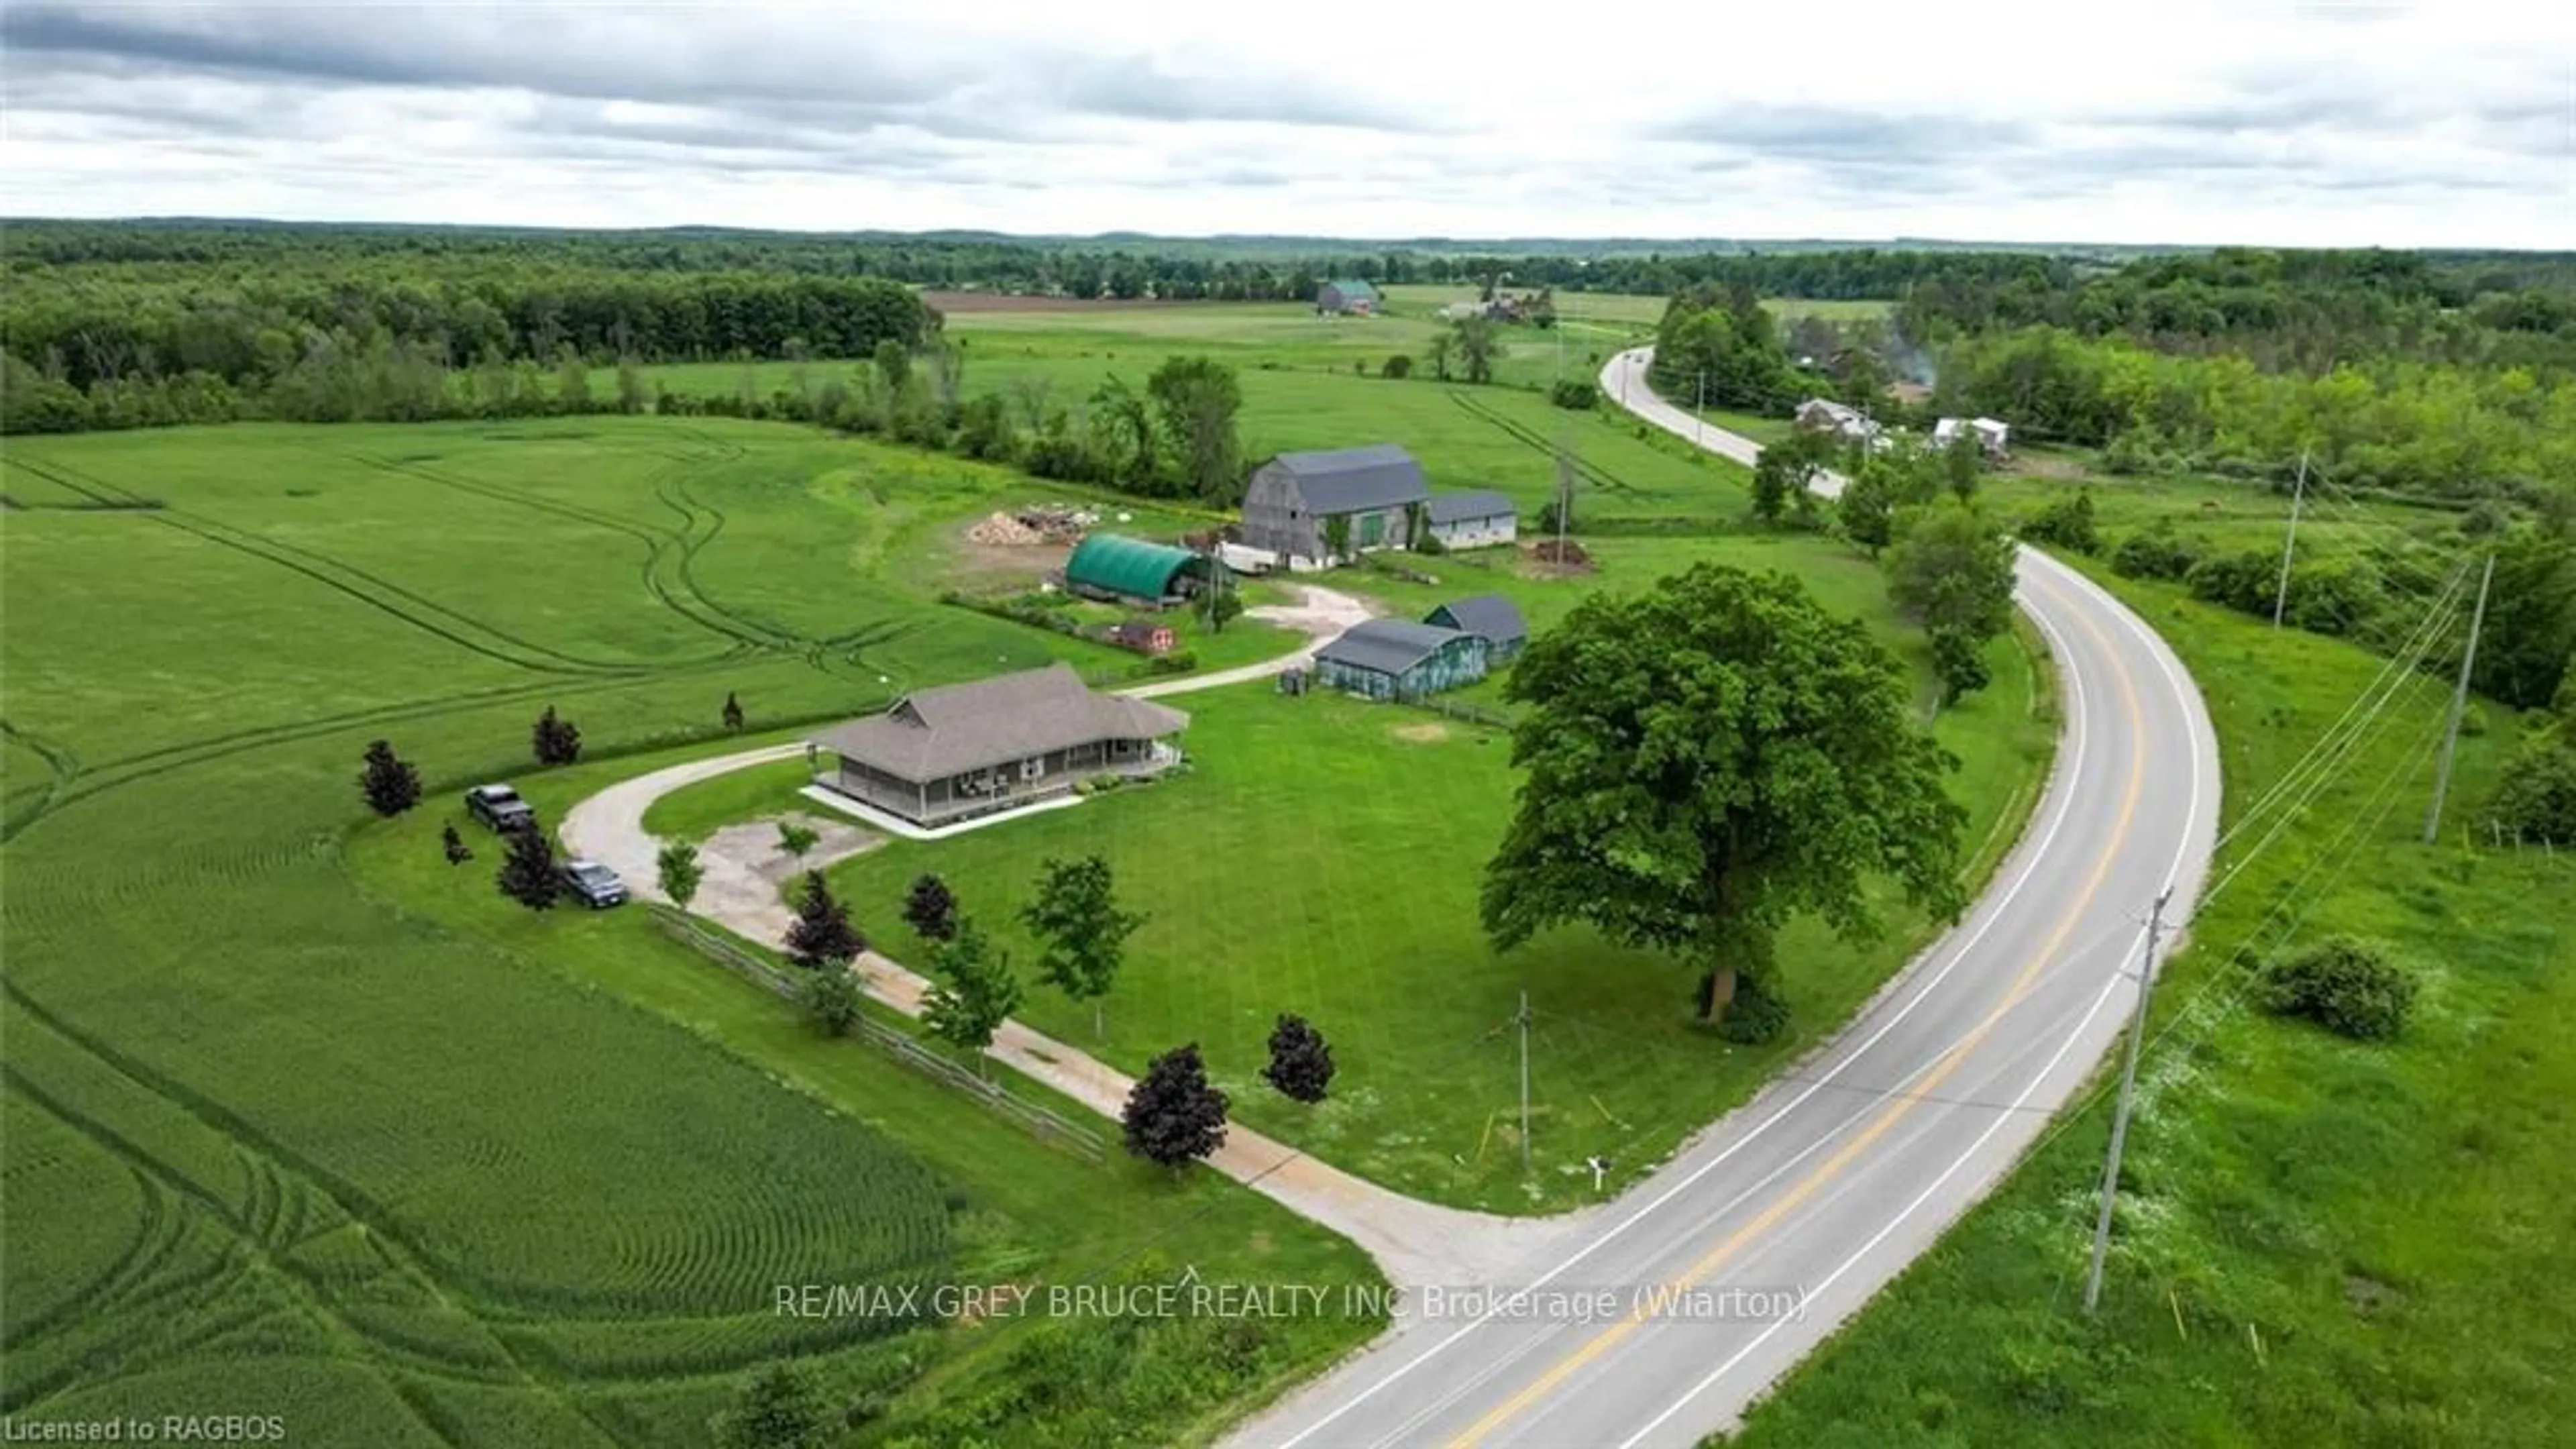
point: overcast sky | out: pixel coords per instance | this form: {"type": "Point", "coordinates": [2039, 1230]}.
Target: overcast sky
{"type": "Point", "coordinates": [2291, 125]}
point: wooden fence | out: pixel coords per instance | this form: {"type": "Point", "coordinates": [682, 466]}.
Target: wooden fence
{"type": "Point", "coordinates": [1052, 1127]}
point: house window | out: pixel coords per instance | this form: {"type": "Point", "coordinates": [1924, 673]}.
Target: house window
{"type": "Point", "coordinates": [1032, 769]}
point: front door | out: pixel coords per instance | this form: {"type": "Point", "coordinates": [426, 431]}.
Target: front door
{"type": "Point", "coordinates": [1372, 529]}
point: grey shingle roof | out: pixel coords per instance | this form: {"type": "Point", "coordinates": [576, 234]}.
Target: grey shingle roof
{"type": "Point", "coordinates": [932, 734]}
{"type": "Point", "coordinates": [1468, 503]}
{"type": "Point", "coordinates": [1347, 480]}
{"type": "Point", "coordinates": [1492, 616]}
{"type": "Point", "coordinates": [1386, 646]}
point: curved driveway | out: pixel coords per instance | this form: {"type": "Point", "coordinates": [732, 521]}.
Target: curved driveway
{"type": "Point", "coordinates": [1661, 1316]}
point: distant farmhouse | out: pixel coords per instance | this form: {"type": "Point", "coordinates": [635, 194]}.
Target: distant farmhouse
{"type": "Point", "coordinates": [1132, 571]}
{"type": "Point", "coordinates": [1393, 659]}
{"type": "Point", "coordinates": [1471, 518]}
{"type": "Point", "coordinates": [942, 755]}
{"type": "Point", "coordinates": [1489, 617]}
{"type": "Point", "coordinates": [1992, 436]}
{"type": "Point", "coordinates": [1348, 298]}
{"type": "Point", "coordinates": [1845, 424]}
{"type": "Point", "coordinates": [1373, 489]}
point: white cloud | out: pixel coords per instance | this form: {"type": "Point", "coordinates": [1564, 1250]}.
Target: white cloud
{"type": "Point", "coordinates": [2444, 126]}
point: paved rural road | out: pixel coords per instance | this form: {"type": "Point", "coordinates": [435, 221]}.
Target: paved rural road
{"type": "Point", "coordinates": [1834, 1178]}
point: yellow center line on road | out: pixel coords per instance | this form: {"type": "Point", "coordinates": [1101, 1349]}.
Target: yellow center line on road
{"type": "Point", "coordinates": [1897, 1111]}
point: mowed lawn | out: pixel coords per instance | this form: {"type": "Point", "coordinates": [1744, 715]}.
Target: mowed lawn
{"type": "Point", "coordinates": [1323, 856]}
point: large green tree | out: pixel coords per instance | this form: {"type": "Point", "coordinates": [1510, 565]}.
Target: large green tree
{"type": "Point", "coordinates": [1477, 343]}
{"type": "Point", "coordinates": [1705, 761]}
{"type": "Point", "coordinates": [1952, 572]}
{"type": "Point", "coordinates": [1786, 471]}
{"type": "Point", "coordinates": [1197, 399]}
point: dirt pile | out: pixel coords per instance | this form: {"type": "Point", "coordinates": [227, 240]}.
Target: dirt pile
{"type": "Point", "coordinates": [1565, 555]}
{"type": "Point", "coordinates": [1001, 530]}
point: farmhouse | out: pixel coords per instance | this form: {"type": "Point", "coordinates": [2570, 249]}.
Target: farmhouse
{"type": "Point", "coordinates": [1489, 617]}
{"type": "Point", "coordinates": [1992, 436]}
{"type": "Point", "coordinates": [1373, 490]}
{"type": "Point", "coordinates": [1471, 518]}
{"type": "Point", "coordinates": [1824, 415]}
{"type": "Point", "coordinates": [1392, 659]}
{"type": "Point", "coordinates": [1347, 297]}
{"type": "Point", "coordinates": [1130, 570]}
{"type": "Point", "coordinates": [939, 755]}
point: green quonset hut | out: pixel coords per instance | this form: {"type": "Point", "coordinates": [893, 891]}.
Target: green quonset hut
{"type": "Point", "coordinates": [1395, 659]}
{"type": "Point", "coordinates": [1132, 571]}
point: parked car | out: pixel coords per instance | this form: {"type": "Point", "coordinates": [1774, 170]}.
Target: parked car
{"type": "Point", "coordinates": [592, 884]}
{"type": "Point", "coordinates": [500, 807]}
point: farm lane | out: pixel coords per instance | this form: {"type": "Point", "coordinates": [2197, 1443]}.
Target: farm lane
{"type": "Point", "coordinates": [1749, 1248]}
{"type": "Point", "coordinates": [1415, 1243]}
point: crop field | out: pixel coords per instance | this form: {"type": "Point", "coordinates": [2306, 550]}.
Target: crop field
{"type": "Point", "coordinates": [1323, 857]}
{"type": "Point", "coordinates": [290, 1136]}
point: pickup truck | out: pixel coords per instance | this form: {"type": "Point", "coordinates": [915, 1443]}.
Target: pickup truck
{"type": "Point", "coordinates": [500, 807]}
{"type": "Point", "coordinates": [592, 884]}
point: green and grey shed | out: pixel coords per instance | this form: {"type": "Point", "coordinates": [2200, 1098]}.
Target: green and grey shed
{"type": "Point", "coordinates": [1395, 659]}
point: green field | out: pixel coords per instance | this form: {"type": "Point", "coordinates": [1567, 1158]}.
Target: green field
{"type": "Point", "coordinates": [293, 1132]}
{"type": "Point", "coordinates": [1323, 857]}
{"type": "Point", "coordinates": [2320, 1242]}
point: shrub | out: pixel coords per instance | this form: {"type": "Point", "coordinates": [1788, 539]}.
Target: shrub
{"type": "Point", "coordinates": [2344, 985]}
{"type": "Point", "coordinates": [1579, 394]}
{"type": "Point", "coordinates": [1754, 1016]}
{"type": "Point", "coordinates": [1398, 366]}
{"type": "Point", "coordinates": [2156, 553]}
{"type": "Point", "coordinates": [2067, 523]}
{"type": "Point", "coordinates": [1179, 661]}
{"type": "Point", "coordinates": [2536, 799]}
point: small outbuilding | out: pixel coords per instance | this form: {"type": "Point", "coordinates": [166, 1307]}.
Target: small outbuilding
{"type": "Point", "coordinates": [1844, 422]}
{"type": "Point", "coordinates": [1130, 570]}
{"type": "Point", "coordinates": [1393, 659]}
{"type": "Point", "coordinates": [1490, 617]}
{"type": "Point", "coordinates": [1471, 518]}
{"type": "Point", "coordinates": [1993, 437]}
{"type": "Point", "coordinates": [1347, 297]}
{"type": "Point", "coordinates": [1149, 636]}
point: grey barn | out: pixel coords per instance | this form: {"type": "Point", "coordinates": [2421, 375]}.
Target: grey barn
{"type": "Point", "coordinates": [1376, 488]}
{"type": "Point", "coordinates": [946, 754]}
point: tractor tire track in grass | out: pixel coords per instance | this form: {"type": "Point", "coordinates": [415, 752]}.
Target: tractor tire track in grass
{"type": "Point", "coordinates": [374, 592]}
{"type": "Point", "coordinates": [62, 767]}
{"type": "Point", "coordinates": [659, 545]}
{"type": "Point", "coordinates": [246, 1225]}
{"type": "Point", "coordinates": [1591, 473]}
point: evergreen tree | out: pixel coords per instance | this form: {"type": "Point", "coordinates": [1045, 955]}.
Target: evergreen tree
{"type": "Point", "coordinates": [556, 740]}
{"type": "Point", "coordinates": [458, 852]}
{"type": "Point", "coordinates": [930, 908]}
{"type": "Point", "coordinates": [822, 934]}
{"type": "Point", "coordinates": [528, 872]}
{"type": "Point", "coordinates": [389, 782]}
{"type": "Point", "coordinates": [1174, 1115]}
{"type": "Point", "coordinates": [1301, 1064]}
{"type": "Point", "coordinates": [732, 714]}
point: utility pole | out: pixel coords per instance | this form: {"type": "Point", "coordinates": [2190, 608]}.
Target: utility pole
{"type": "Point", "coordinates": [2459, 703]}
{"type": "Point", "coordinates": [2281, 596]}
{"type": "Point", "coordinates": [1700, 413]}
{"type": "Point", "coordinates": [2120, 1117]}
{"type": "Point", "coordinates": [1524, 1022]}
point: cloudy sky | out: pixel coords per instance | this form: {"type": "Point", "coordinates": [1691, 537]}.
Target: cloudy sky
{"type": "Point", "coordinates": [2443, 125]}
